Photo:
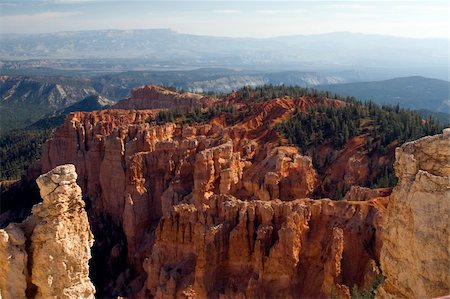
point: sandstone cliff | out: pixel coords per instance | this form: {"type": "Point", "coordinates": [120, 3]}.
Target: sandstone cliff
{"type": "Point", "coordinates": [47, 255]}
{"type": "Point", "coordinates": [415, 258]}
{"type": "Point", "coordinates": [139, 177]}
{"type": "Point", "coordinates": [264, 249]}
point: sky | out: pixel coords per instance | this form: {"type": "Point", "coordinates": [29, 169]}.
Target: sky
{"type": "Point", "coordinates": [418, 19]}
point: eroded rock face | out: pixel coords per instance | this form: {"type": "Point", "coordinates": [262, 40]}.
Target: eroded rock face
{"type": "Point", "coordinates": [13, 265]}
{"type": "Point", "coordinates": [264, 249]}
{"type": "Point", "coordinates": [363, 193]}
{"type": "Point", "coordinates": [140, 175]}
{"type": "Point", "coordinates": [133, 170]}
{"type": "Point", "coordinates": [47, 255]}
{"type": "Point", "coordinates": [221, 210]}
{"type": "Point", "coordinates": [415, 257]}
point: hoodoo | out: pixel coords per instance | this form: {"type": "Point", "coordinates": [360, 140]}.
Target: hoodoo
{"type": "Point", "coordinates": [46, 256]}
{"type": "Point", "coordinates": [217, 208]}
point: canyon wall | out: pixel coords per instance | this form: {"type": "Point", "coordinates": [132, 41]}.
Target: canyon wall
{"type": "Point", "coordinates": [222, 210]}
{"type": "Point", "coordinates": [233, 188]}
{"type": "Point", "coordinates": [264, 249]}
{"type": "Point", "coordinates": [47, 255]}
{"type": "Point", "coordinates": [415, 258]}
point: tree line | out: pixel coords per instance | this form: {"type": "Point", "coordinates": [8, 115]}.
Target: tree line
{"type": "Point", "coordinates": [269, 92]}
{"type": "Point", "coordinates": [232, 115]}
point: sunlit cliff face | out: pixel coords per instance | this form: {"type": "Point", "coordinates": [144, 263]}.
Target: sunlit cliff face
{"type": "Point", "coordinates": [221, 206]}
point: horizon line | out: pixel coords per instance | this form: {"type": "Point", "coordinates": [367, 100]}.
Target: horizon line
{"type": "Point", "coordinates": [223, 36]}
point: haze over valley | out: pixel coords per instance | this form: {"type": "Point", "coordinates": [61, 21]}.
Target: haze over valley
{"type": "Point", "coordinates": [50, 71]}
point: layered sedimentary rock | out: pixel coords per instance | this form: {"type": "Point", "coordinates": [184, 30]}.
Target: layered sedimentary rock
{"type": "Point", "coordinates": [156, 97]}
{"type": "Point", "coordinates": [264, 249]}
{"type": "Point", "coordinates": [415, 258]}
{"type": "Point", "coordinates": [47, 255]}
{"type": "Point", "coordinates": [166, 187]}
{"type": "Point", "coordinates": [221, 209]}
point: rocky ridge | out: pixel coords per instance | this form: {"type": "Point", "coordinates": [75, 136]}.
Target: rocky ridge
{"type": "Point", "coordinates": [24, 100]}
{"type": "Point", "coordinates": [39, 93]}
{"type": "Point", "coordinates": [90, 103]}
{"type": "Point", "coordinates": [46, 256]}
{"type": "Point", "coordinates": [156, 97]}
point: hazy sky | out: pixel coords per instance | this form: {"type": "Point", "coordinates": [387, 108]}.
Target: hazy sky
{"type": "Point", "coordinates": [420, 19]}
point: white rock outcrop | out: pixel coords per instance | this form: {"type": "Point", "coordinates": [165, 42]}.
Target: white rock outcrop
{"type": "Point", "coordinates": [47, 255]}
{"type": "Point", "coordinates": [415, 257]}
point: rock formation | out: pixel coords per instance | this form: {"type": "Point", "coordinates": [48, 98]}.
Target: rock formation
{"type": "Point", "coordinates": [156, 97]}
{"type": "Point", "coordinates": [363, 193]}
{"type": "Point", "coordinates": [264, 249]}
{"type": "Point", "coordinates": [178, 192]}
{"type": "Point", "coordinates": [13, 265]}
{"type": "Point", "coordinates": [222, 208]}
{"type": "Point", "coordinates": [47, 255]}
{"type": "Point", "coordinates": [415, 258]}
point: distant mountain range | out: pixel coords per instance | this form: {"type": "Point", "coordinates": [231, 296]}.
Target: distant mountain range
{"type": "Point", "coordinates": [409, 92]}
{"type": "Point", "coordinates": [383, 56]}
{"type": "Point", "coordinates": [24, 100]}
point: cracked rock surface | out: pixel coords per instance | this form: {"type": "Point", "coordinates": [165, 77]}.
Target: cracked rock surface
{"type": "Point", "coordinates": [415, 257]}
{"type": "Point", "coordinates": [46, 256]}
